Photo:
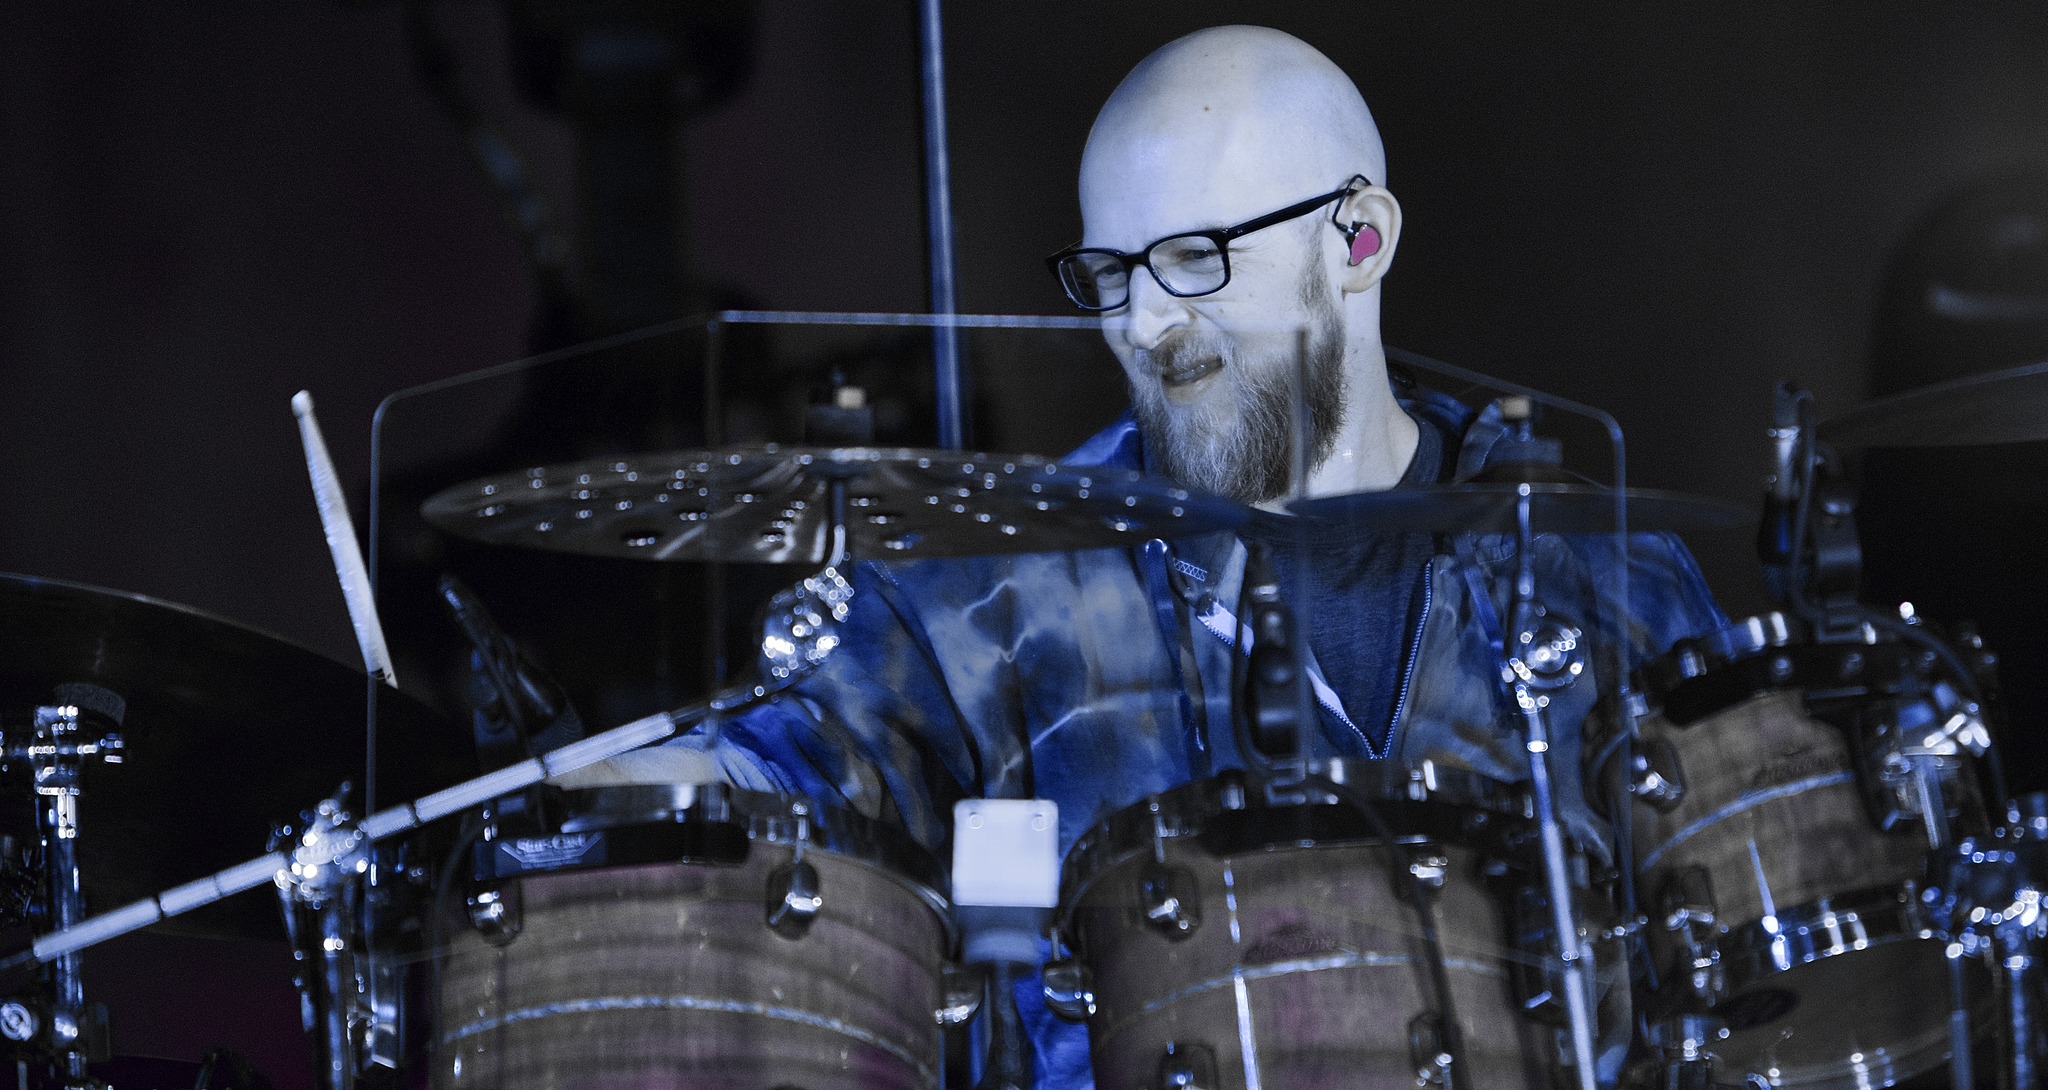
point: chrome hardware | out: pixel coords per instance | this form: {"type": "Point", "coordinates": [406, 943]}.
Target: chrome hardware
{"type": "Point", "coordinates": [1167, 897]}
{"type": "Point", "coordinates": [321, 889]}
{"type": "Point", "coordinates": [496, 914]}
{"type": "Point", "coordinates": [1657, 778]}
{"type": "Point", "coordinates": [794, 895]}
{"type": "Point", "coordinates": [1069, 989]}
{"type": "Point", "coordinates": [1187, 1067]}
{"type": "Point", "coordinates": [802, 626]}
{"type": "Point", "coordinates": [1686, 908]}
{"type": "Point", "coordinates": [793, 899]}
{"type": "Point", "coordinates": [960, 992]}
{"type": "Point", "coordinates": [1427, 1051]}
{"type": "Point", "coordinates": [1428, 866]}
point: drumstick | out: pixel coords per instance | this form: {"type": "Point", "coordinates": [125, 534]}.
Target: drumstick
{"type": "Point", "coordinates": [376, 827]}
{"type": "Point", "coordinates": [341, 541]}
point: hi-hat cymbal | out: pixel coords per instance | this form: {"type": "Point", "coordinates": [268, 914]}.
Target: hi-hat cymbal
{"type": "Point", "coordinates": [2009, 406]}
{"type": "Point", "coordinates": [1489, 507]}
{"type": "Point", "coordinates": [770, 505]}
{"type": "Point", "coordinates": [228, 729]}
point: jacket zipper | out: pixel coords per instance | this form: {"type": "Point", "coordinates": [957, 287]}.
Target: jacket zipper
{"type": "Point", "coordinates": [1414, 652]}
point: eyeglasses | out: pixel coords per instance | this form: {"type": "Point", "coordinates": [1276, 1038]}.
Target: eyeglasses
{"type": "Point", "coordinates": [1194, 263]}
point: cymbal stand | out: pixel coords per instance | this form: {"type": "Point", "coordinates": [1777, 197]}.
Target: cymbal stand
{"type": "Point", "coordinates": [1542, 657]}
{"type": "Point", "coordinates": [1992, 910]}
{"type": "Point", "coordinates": [65, 737]}
{"type": "Point", "coordinates": [322, 898]}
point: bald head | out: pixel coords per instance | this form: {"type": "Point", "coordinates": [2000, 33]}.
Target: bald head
{"type": "Point", "coordinates": [1218, 126]}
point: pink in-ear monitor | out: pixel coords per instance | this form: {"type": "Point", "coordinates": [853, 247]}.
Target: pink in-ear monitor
{"type": "Point", "coordinates": [1365, 243]}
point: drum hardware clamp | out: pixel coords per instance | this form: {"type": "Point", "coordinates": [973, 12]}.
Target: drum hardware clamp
{"type": "Point", "coordinates": [81, 727]}
{"type": "Point", "coordinates": [350, 1006]}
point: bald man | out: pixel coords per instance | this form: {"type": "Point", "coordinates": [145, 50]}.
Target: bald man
{"type": "Point", "coordinates": [1212, 368]}
{"type": "Point", "coordinates": [1233, 212]}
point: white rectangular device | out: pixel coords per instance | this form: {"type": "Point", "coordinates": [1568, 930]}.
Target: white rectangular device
{"type": "Point", "coordinates": [1006, 852]}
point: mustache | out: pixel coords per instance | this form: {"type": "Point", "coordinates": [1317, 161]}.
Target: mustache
{"type": "Point", "coordinates": [1179, 352]}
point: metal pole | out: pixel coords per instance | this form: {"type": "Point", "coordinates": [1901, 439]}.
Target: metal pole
{"type": "Point", "coordinates": [938, 187]}
{"type": "Point", "coordinates": [1538, 663]}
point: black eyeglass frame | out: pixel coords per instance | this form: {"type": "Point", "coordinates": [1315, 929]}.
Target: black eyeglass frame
{"type": "Point", "coordinates": [1221, 236]}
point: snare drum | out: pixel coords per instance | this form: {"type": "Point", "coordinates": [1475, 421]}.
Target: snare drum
{"type": "Point", "coordinates": [698, 937]}
{"type": "Point", "coordinates": [1776, 904]}
{"type": "Point", "coordinates": [1235, 942]}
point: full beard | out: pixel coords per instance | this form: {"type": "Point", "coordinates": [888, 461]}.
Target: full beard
{"type": "Point", "coordinates": [1243, 447]}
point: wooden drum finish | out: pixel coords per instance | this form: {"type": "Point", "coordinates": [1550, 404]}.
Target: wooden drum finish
{"type": "Point", "coordinates": [667, 975]}
{"type": "Point", "coordinates": [1833, 976]}
{"type": "Point", "coordinates": [1306, 968]}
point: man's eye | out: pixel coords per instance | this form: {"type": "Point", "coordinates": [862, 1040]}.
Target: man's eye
{"type": "Point", "coordinates": [1189, 252]}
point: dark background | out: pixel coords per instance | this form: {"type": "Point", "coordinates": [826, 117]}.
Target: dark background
{"type": "Point", "coordinates": [1661, 210]}
{"type": "Point", "coordinates": [202, 211]}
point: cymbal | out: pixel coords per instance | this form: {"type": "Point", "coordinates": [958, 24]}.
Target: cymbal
{"type": "Point", "coordinates": [228, 729]}
{"type": "Point", "coordinates": [1488, 507]}
{"type": "Point", "coordinates": [770, 505]}
{"type": "Point", "coordinates": [2009, 406]}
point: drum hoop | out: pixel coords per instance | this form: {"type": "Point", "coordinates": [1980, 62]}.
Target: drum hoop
{"type": "Point", "coordinates": [764, 817]}
{"type": "Point", "coordinates": [1186, 811]}
{"type": "Point", "coordinates": [1704, 675]}
{"type": "Point", "coordinates": [1755, 953]}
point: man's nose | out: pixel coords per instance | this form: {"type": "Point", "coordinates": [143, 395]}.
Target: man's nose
{"type": "Point", "coordinates": [1152, 312]}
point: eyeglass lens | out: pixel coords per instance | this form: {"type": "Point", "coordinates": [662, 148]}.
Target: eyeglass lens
{"type": "Point", "coordinates": [1187, 265]}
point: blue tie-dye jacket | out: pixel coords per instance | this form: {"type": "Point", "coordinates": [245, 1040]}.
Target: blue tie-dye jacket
{"type": "Point", "coordinates": [1098, 678]}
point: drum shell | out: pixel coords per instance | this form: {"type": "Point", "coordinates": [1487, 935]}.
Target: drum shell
{"type": "Point", "coordinates": [666, 974]}
{"type": "Point", "coordinates": [1855, 991]}
{"type": "Point", "coordinates": [1308, 951]}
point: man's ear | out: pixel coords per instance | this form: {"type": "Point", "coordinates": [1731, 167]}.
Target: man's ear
{"type": "Point", "coordinates": [1367, 214]}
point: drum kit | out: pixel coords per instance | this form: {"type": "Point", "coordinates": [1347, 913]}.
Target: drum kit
{"type": "Point", "coordinates": [1816, 878]}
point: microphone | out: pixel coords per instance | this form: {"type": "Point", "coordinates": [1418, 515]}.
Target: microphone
{"type": "Point", "coordinates": [518, 710]}
{"type": "Point", "coordinates": [1775, 546]}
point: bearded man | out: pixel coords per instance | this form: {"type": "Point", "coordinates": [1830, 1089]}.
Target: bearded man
{"type": "Point", "coordinates": [1236, 235]}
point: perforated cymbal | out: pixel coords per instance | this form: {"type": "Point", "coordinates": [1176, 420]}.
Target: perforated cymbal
{"type": "Point", "coordinates": [770, 505]}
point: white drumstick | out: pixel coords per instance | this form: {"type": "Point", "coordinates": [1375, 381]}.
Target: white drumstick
{"type": "Point", "coordinates": [341, 541]}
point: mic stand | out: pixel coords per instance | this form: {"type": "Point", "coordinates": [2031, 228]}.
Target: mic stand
{"type": "Point", "coordinates": [1542, 658]}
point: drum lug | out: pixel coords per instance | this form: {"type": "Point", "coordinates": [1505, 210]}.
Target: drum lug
{"type": "Point", "coordinates": [1428, 868]}
{"type": "Point", "coordinates": [494, 911]}
{"type": "Point", "coordinates": [1167, 897]}
{"type": "Point", "coordinates": [1658, 779]}
{"type": "Point", "coordinates": [960, 991]}
{"type": "Point", "coordinates": [1688, 911]}
{"type": "Point", "coordinates": [1187, 1067]}
{"type": "Point", "coordinates": [1069, 989]}
{"type": "Point", "coordinates": [1426, 1049]}
{"type": "Point", "coordinates": [793, 899]}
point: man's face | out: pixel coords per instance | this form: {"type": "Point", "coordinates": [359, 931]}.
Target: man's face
{"type": "Point", "coordinates": [1219, 407]}
{"type": "Point", "coordinates": [1214, 378]}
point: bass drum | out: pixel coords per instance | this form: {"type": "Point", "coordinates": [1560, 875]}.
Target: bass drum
{"type": "Point", "coordinates": [1234, 942]}
{"type": "Point", "coordinates": [699, 937]}
{"type": "Point", "coordinates": [1777, 905]}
